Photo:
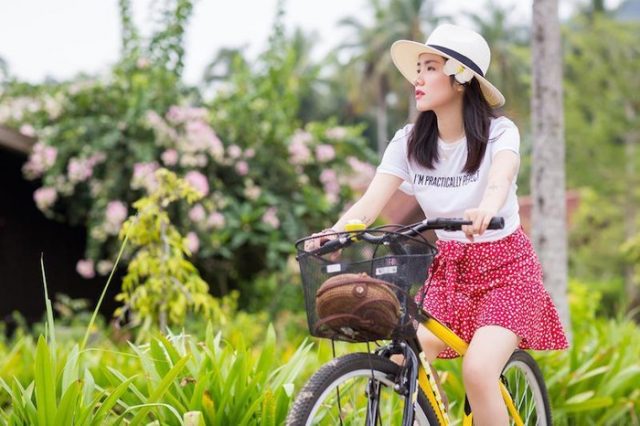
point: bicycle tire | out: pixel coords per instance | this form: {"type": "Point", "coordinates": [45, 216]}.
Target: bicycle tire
{"type": "Point", "coordinates": [308, 407]}
{"type": "Point", "coordinates": [523, 379]}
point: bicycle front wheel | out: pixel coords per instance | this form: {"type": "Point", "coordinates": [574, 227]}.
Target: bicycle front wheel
{"type": "Point", "coordinates": [339, 394]}
{"type": "Point", "coordinates": [525, 384]}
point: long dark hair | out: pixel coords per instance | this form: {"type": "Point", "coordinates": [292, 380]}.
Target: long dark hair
{"type": "Point", "coordinates": [476, 116]}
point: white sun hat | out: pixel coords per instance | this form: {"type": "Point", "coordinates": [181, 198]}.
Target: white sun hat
{"type": "Point", "coordinates": [467, 52]}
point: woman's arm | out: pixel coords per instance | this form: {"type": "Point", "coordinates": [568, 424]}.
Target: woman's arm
{"type": "Point", "coordinates": [501, 175]}
{"type": "Point", "coordinates": [503, 171]}
{"type": "Point", "coordinates": [369, 206]}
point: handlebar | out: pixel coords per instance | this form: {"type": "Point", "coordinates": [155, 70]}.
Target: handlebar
{"type": "Point", "coordinates": [454, 224]}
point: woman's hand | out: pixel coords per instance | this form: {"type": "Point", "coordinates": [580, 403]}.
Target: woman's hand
{"type": "Point", "coordinates": [480, 218]}
{"type": "Point", "coordinates": [321, 238]}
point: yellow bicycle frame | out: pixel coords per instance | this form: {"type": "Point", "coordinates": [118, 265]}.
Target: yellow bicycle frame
{"type": "Point", "coordinates": [427, 381]}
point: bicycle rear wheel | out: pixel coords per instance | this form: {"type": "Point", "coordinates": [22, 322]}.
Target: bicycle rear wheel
{"type": "Point", "coordinates": [525, 384]}
{"type": "Point", "coordinates": [337, 394]}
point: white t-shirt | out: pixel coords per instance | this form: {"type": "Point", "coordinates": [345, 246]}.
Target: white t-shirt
{"type": "Point", "coordinates": [446, 191]}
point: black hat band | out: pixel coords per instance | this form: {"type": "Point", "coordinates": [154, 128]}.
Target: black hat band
{"type": "Point", "coordinates": [459, 57]}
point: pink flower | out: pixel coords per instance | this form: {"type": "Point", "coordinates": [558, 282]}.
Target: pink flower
{"type": "Point", "coordinates": [154, 119]}
{"type": "Point", "coordinates": [84, 267]}
{"type": "Point", "coordinates": [196, 113]}
{"type": "Point", "coordinates": [193, 243]}
{"type": "Point", "coordinates": [216, 220]}
{"type": "Point", "coordinates": [198, 181]}
{"type": "Point", "coordinates": [144, 176]}
{"type": "Point", "coordinates": [300, 153]}
{"type": "Point", "coordinates": [336, 133]}
{"type": "Point", "coordinates": [298, 149]}
{"type": "Point", "coordinates": [28, 130]}
{"type": "Point", "coordinates": [41, 159]}
{"type": "Point", "coordinates": [302, 137]}
{"type": "Point", "coordinates": [234, 151]}
{"type": "Point", "coordinates": [181, 114]}
{"type": "Point", "coordinates": [270, 217]}
{"type": "Point", "coordinates": [116, 213]}
{"type": "Point", "coordinates": [328, 176]}
{"type": "Point", "coordinates": [197, 213]}
{"type": "Point", "coordinates": [170, 157]}
{"type": "Point", "coordinates": [79, 170]}
{"type": "Point", "coordinates": [330, 184]}
{"type": "Point", "coordinates": [161, 128]}
{"type": "Point", "coordinates": [200, 137]}
{"type": "Point", "coordinates": [242, 168]}
{"type": "Point", "coordinates": [45, 197]}
{"type": "Point", "coordinates": [325, 153]}
{"type": "Point", "coordinates": [49, 153]}
{"type": "Point", "coordinates": [250, 153]}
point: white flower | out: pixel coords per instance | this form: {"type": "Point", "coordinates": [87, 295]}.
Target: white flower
{"type": "Point", "coordinates": [462, 74]}
{"type": "Point", "coordinates": [104, 267]}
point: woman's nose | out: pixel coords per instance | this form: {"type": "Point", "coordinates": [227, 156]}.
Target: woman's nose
{"type": "Point", "coordinates": [418, 81]}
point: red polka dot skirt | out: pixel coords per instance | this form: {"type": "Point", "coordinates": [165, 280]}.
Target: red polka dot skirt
{"type": "Point", "coordinates": [472, 285]}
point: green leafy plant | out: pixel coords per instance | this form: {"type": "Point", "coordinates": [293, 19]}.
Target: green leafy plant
{"type": "Point", "coordinates": [172, 380]}
{"type": "Point", "coordinates": [161, 284]}
{"type": "Point", "coordinates": [225, 384]}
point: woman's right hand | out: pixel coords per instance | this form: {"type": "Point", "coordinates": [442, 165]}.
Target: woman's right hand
{"type": "Point", "coordinates": [320, 239]}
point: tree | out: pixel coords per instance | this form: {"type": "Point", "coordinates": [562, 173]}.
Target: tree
{"type": "Point", "coordinates": [510, 68]}
{"type": "Point", "coordinates": [221, 66]}
{"type": "Point", "coordinates": [393, 20]}
{"type": "Point", "coordinates": [603, 133]}
{"type": "Point", "coordinates": [548, 174]}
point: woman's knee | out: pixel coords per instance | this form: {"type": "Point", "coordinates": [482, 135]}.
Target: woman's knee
{"type": "Point", "coordinates": [486, 356]}
{"type": "Point", "coordinates": [478, 373]}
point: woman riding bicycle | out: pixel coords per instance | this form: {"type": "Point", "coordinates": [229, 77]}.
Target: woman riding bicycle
{"type": "Point", "coordinates": [460, 159]}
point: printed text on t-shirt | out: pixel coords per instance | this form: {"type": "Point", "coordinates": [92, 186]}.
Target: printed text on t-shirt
{"type": "Point", "coordinates": [445, 181]}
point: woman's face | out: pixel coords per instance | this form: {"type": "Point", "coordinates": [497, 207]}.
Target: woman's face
{"type": "Point", "coordinates": [433, 87]}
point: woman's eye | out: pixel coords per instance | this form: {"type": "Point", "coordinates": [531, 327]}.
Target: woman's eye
{"type": "Point", "coordinates": [431, 68]}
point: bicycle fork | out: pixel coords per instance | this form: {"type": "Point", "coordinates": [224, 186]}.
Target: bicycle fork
{"type": "Point", "coordinates": [406, 385]}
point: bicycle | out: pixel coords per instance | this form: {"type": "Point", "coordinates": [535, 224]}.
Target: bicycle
{"type": "Point", "coordinates": [367, 387]}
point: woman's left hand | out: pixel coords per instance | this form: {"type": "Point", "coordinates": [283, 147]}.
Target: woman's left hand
{"type": "Point", "coordinates": [480, 218]}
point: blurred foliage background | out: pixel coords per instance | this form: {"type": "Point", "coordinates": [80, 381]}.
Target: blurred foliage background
{"type": "Point", "coordinates": [274, 147]}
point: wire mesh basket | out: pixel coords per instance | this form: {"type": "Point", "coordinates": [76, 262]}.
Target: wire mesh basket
{"type": "Point", "coordinates": [394, 260]}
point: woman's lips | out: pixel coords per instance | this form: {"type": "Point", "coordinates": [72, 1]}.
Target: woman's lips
{"type": "Point", "coordinates": [419, 94]}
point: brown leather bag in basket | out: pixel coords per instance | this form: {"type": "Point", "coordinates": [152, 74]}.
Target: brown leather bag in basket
{"type": "Point", "coordinates": [356, 306]}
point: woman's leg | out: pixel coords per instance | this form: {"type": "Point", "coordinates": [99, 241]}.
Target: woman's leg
{"type": "Point", "coordinates": [431, 345]}
{"type": "Point", "coordinates": [489, 351]}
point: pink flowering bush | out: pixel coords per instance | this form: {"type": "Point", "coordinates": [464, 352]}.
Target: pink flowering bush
{"type": "Point", "coordinates": [265, 178]}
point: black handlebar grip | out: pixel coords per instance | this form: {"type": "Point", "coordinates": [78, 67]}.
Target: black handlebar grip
{"type": "Point", "coordinates": [330, 246]}
{"type": "Point", "coordinates": [496, 223]}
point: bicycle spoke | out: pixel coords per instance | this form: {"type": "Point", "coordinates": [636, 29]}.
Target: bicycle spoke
{"type": "Point", "coordinates": [528, 396]}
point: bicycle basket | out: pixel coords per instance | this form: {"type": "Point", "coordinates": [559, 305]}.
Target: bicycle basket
{"type": "Point", "coordinates": [365, 291]}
